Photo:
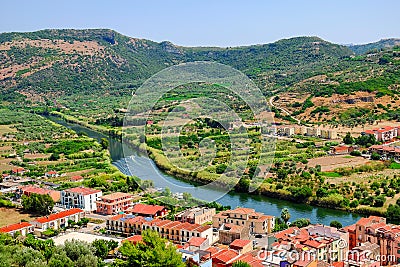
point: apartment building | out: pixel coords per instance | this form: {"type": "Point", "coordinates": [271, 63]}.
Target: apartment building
{"type": "Point", "coordinates": [230, 232]}
{"type": "Point", "coordinates": [375, 230]}
{"type": "Point", "coordinates": [80, 197]}
{"type": "Point", "coordinates": [22, 228]}
{"type": "Point", "coordinates": [384, 134]}
{"type": "Point", "coordinates": [58, 220]}
{"type": "Point", "coordinates": [177, 232]}
{"type": "Point", "coordinates": [199, 215]}
{"type": "Point", "coordinates": [256, 222]}
{"type": "Point", "coordinates": [114, 203]}
{"type": "Point", "coordinates": [145, 210]}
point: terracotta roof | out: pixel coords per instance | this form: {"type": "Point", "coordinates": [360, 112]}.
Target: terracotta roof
{"type": "Point", "coordinates": [82, 190]}
{"type": "Point", "coordinates": [117, 217]}
{"type": "Point", "coordinates": [302, 262]}
{"type": "Point", "coordinates": [338, 264]}
{"type": "Point", "coordinates": [62, 214]}
{"type": "Point", "coordinates": [376, 146]}
{"type": "Point", "coordinates": [242, 210]}
{"type": "Point", "coordinates": [19, 169]}
{"type": "Point", "coordinates": [314, 244]}
{"type": "Point", "coordinates": [147, 209]}
{"type": "Point", "coordinates": [350, 228]}
{"type": "Point", "coordinates": [225, 255]}
{"type": "Point", "coordinates": [51, 172]}
{"type": "Point", "coordinates": [196, 241]}
{"type": "Point", "coordinates": [239, 243]}
{"type": "Point", "coordinates": [254, 262]}
{"type": "Point", "coordinates": [368, 221]}
{"type": "Point", "coordinates": [115, 196]}
{"type": "Point", "coordinates": [134, 239]}
{"type": "Point", "coordinates": [30, 189]}
{"type": "Point", "coordinates": [369, 132]}
{"type": "Point", "coordinates": [14, 227]}
{"type": "Point", "coordinates": [76, 178]}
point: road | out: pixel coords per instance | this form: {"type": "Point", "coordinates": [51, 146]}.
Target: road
{"type": "Point", "coordinates": [271, 102]}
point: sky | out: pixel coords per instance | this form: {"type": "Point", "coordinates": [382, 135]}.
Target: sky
{"type": "Point", "coordinates": [212, 22]}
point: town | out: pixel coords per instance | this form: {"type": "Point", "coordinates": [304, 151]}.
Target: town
{"type": "Point", "coordinates": [207, 237]}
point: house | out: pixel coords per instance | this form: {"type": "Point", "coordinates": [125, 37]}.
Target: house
{"type": "Point", "coordinates": [76, 178]}
{"type": "Point", "coordinates": [177, 232]}
{"type": "Point", "coordinates": [198, 215]}
{"type": "Point", "coordinates": [134, 239]}
{"type": "Point", "coordinates": [152, 211]}
{"type": "Point", "coordinates": [51, 174]}
{"type": "Point", "coordinates": [114, 203]}
{"type": "Point", "coordinates": [31, 189]}
{"type": "Point", "coordinates": [22, 228]}
{"type": "Point", "coordinates": [384, 134]}
{"type": "Point", "coordinates": [80, 197]}
{"type": "Point", "coordinates": [197, 243]}
{"type": "Point", "coordinates": [342, 149]}
{"type": "Point", "coordinates": [226, 257]}
{"type": "Point", "coordinates": [19, 170]}
{"type": "Point", "coordinates": [230, 232]}
{"type": "Point", "coordinates": [58, 220]}
{"type": "Point", "coordinates": [386, 151]}
{"type": "Point", "coordinates": [256, 222]}
{"type": "Point", "coordinates": [241, 245]}
{"type": "Point", "coordinates": [199, 258]}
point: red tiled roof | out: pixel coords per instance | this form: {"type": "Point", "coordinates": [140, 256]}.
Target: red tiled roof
{"type": "Point", "coordinates": [115, 196]}
{"type": "Point", "coordinates": [196, 241]}
{"type": "Point", "coordinates": [134, 239]}
{"type": "Point", "coordinates": [51, 172]}
{"type": "Point", "coordinates": [376, 146]}
{"type": "Point", "coordinates": [242, 210]}
{"type": "Point", "coordinates": [147, 209]}
{"type": "Point", "coordinates": [76, 178]}
{"type": "Point", "coordinates": [254, 262]}
{"type": "Point", "coordinates": [368, 221]}
{"type": "Point", "coordinates": [338, 264]}
{"type": "Point", "coordinates": [303, 262]}
{"type": "Point", "coordinates": [225, 255]}
{"type": "Point", "coordinates": [83, 190]}
{"type": "Point", "coordinates": [19, 169]}
{"type": "Point", "coordinates": [240, 243]}
{"type": "Point", "coordinates": [62, 214]}
{"type": "Point", "coordinates": [369, 132]}
{"type": "Point", "coordinates": [14, 227]}
{"type": "Point", "coordinates": [313, 244]}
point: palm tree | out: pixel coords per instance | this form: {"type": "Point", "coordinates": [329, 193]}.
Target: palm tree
{"type": "Point", "coordinates": [285, 215]}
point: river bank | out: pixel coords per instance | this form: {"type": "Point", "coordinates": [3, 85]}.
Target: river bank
{"type": "Point", "coordinates": [146, 168]}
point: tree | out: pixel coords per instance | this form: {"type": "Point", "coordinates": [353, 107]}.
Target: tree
{"type": "Point", "coordinates": [285, 215]}
{"type": "Point", "coordinates": [336, 224]}
{"type": "Point", "coordinates": [301, 222]}
{"type": "Point", "coordinates": [393, 212]}
{"type": "Point", "coordinates": [375, 156]}
{"type": "Point", "coordinates": [240, 264]}
{"type": "Point", "coordinates": [104, 143]}
{"type": "Point", "coordinates": [153, 251]}
{"type": "Point", "coordinates": [42, 204]}
{"type": "Point", "coordinates": [101, 248]}
{"type": "Point", "coordinates": [282, 174]}
{"type": "Point", "coordinates": [348, 139]}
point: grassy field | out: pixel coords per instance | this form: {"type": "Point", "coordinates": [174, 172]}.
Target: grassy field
{"type": "Point", "coordinates": [6, 129]}
{"type": "Point", "coordinates": [10, 216]}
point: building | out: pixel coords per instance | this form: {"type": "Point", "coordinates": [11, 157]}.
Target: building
{"type": "Point", "coordinates": [134, 239]}
{"type": "Point", "coordinates": [199, 215]}
{"type": "Point", "coordinates": [230, 232]}
{"type": "Point", "coordinates": [256, 222]}
{"type": "Point", "coordinates": [19, 170]}
{"type": "Point", "coordinates": [387, 152]}
{"type": "Point", "coordinates": [375, 230]}
{"type": "Point", "coordinates": [27, 190]}
{"type": "Point", "coordinates": [22, 228]}
{"type": "Point", "coordinates": [242, 245]}
{"type": "Point", "coordinates": [384, 134]}
{"type": "Point", "coordinates": [342, 149]}
{"type": "Point", "coordinates": [177, 232]}
{"type": "Point", "coordinates": [226, 257]}
{"type": "Point", "coordinates": [76, 178]}
{"type": "Point", "coordinates": [80, 197]}
{"type": "Point", "coordinates": [114, 203]}
{"type": "Point", "coordinates": [364, 255]}
{"type": "Point", "coordinates": [197, 243]}
{"type": "Point", "coordinates": [58, 220]}
{"type": "Point", "coordinates": [199, 258]}
{"type": "Point", "coordinates": [51, 174]}
{"type": "Point", "coordinates": [152, 211]}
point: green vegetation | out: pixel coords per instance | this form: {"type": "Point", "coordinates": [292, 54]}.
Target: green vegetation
{"type": "Point", "coordinates": [153, 251]}
{"type": "Point", "coordinates": [39, 204]}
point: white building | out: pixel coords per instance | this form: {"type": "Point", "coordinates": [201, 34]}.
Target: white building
{"type": "Point", "coordinates": [80, 197]}
{"type": "Point", "coordinates": [58, 220]}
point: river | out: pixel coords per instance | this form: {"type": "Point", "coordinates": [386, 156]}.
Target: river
{"type": "Point", "coordinates": [144, 168]}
